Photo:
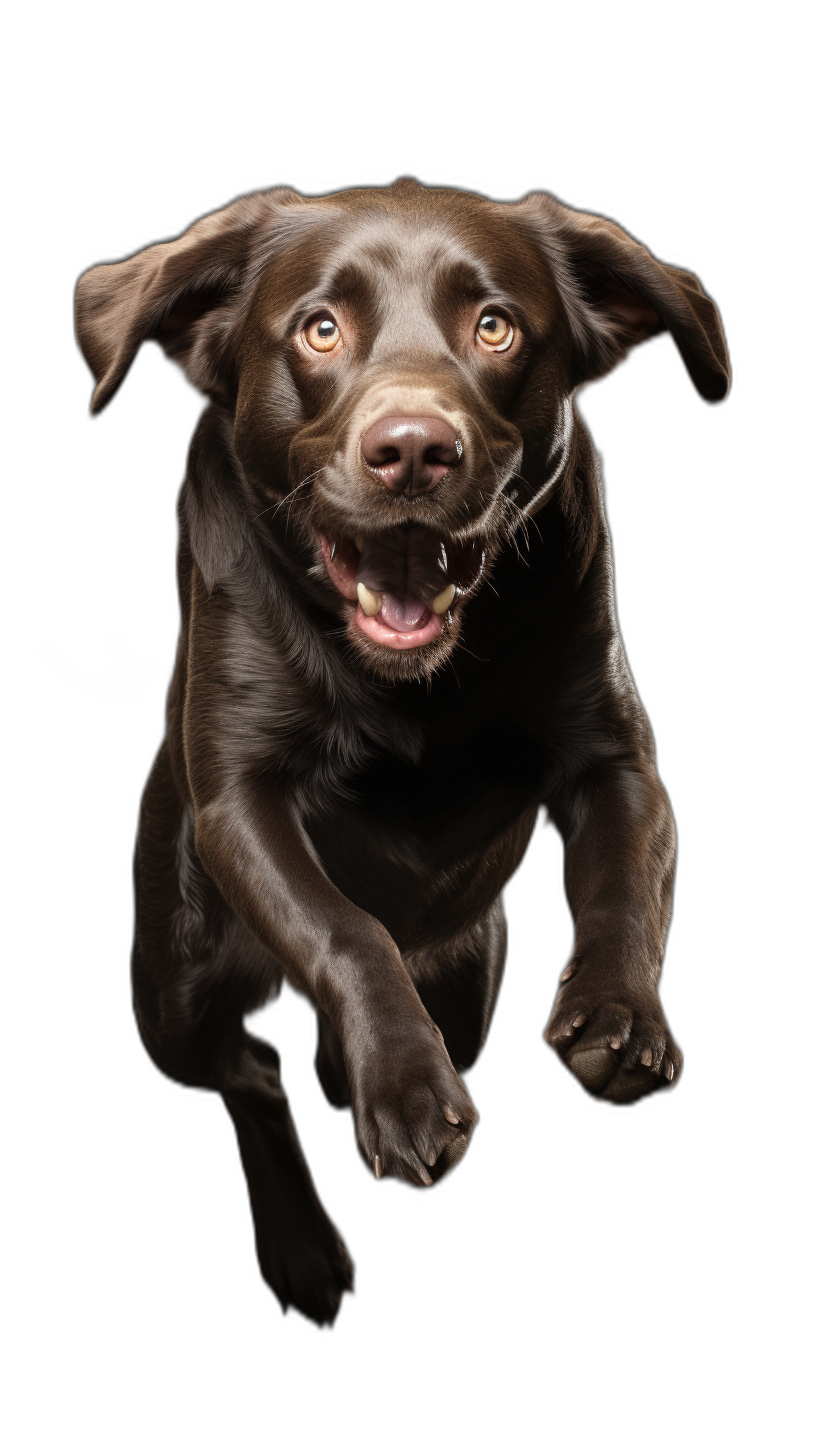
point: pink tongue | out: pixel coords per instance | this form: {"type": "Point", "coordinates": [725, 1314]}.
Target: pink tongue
{"type": "Point", "coordinates": [401, 615]}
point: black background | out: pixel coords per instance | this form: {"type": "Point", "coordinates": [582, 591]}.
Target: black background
{"type": "Point", "coordinates": [625, 1215]}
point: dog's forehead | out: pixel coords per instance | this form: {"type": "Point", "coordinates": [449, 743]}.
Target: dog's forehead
{"type": "Point", "coordinates": [363, 241]}
{"type": "Point", "coordinates": [414, 246]}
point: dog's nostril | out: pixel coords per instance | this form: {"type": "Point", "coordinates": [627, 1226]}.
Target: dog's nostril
{"type": "Point", "coordinates": [411, 453]}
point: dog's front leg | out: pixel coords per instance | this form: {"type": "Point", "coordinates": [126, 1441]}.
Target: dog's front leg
{"type": "Point", "coordinates": [412, 1112]}
{"type": "Point", "coordinates": [607, 1023]}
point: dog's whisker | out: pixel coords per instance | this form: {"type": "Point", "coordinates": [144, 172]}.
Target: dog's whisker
{"type": "Point", "coordinates": [276, 505]}
{"type": "Point", "coordinates": [519, 526]}
{"type": "Point", "coordinates": [460, 647]}
{"type": "Point", "coordinates": [523, 512]}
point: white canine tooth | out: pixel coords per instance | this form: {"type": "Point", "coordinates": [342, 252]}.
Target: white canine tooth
{"type": "Point", "coordinates": [369, 601]}
{"type": "Point", "coordinates": [441, 603]}
{"type": "Point", "coordinates": [359, 543]}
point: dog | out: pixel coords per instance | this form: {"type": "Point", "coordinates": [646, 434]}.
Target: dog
{"type": "Point", "coordinates": [398, 643]}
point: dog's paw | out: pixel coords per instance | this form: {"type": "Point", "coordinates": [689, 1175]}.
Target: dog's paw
{"type": "Point", "coordinates": [413, 1115]}
{"type": "Point", "coordinates": [618, 1045]}
{"type": "Point", "coordinates": [307, 1267]}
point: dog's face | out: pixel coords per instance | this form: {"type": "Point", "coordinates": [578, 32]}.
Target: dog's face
{"type": "Point", "coordinates": [398, 365]}
{"type": "Point", "coordinates": [400, 357]}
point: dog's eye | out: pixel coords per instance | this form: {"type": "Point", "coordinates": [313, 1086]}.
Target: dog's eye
{"type": "Point", "coordinates": [495, 331]}
{"type": "Point", "coordinates": [322, 334]}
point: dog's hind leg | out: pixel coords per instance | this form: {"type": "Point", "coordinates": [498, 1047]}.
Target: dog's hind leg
{"type": "Point", "coordinates": [196, 973]}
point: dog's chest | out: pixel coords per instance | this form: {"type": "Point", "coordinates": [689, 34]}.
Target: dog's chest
{"type": "Point", "coordinates": [408, 840]}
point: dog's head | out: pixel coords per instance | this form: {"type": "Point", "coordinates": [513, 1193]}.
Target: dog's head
{"type": "Point", "coordinates": [397, 367]}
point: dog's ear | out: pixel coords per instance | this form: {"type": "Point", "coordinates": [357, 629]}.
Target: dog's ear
{"type": "Point", "coordinates": [617, 294]}
{"type": "Point", "coordinates": [177, 292]}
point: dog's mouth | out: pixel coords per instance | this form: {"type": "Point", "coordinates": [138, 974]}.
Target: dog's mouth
{"type": "Point", "coordinates": [406, 582]}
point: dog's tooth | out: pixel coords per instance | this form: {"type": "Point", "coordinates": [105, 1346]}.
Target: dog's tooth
{"type": "Point", "coordinates": [441, 603]}
{"type": "Point", "coordinates": [369, 601]}
{"type": "Point", "coordinates": [333, 551]}
{"type": "Point", "coordinates": [359, 542]}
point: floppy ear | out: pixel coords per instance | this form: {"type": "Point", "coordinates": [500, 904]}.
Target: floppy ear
{"type": "Point", "coordinates": [617, 294]}
{"type": "Point", "coordinates": [177, 292]}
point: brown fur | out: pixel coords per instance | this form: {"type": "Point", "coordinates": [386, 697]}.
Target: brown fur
{"type": "Point", "coordinates": [345, 814]}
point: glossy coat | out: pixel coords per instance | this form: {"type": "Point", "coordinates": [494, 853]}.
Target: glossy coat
{"type": "Point", "coordinates": [345, 814]}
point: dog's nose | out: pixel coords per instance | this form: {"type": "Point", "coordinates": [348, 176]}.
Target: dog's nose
{"type": "Point", "coordinates": [411, 453]}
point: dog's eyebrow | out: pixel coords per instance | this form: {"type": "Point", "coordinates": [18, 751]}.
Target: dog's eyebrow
{"type": "Point", "coordinates": [469, 278]}
{"type": "Point", "coordinates": [470, 282]}
{"type": "Point", "coordinates": [348, 285]}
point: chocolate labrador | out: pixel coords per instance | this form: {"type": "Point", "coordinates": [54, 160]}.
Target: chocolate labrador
{"type": "Point", "coordinates": [398, 642]}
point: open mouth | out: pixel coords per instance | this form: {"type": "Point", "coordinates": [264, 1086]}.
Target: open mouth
{"type": "Point", "coordinates": [406, 581]}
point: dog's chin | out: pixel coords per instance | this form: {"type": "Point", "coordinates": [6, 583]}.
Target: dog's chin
{"type": "Point", "coordinates": [403, 664]}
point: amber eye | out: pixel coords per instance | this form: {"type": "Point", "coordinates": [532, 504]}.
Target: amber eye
{"type": "Point", "coordinates": [322, 334]}
{"type": "Point", "coordinates": [495, 331]}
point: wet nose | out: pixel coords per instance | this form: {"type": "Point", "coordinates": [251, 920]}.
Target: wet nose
{"type": "Point", "coordinates": [411, 453]}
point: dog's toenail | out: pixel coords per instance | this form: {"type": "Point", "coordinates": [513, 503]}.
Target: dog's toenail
{"type": "Point", "coordinates": [670, 1071]}
{"type": "Point", "coordinates": [450, 1114]}
{"type": "Point", "coordinates": [615, 1042]}
{"type": "Point", "coordinates": [568, 974]}
{"type": "Point", "coordinates": [377, 1167]}
{"type": "Point", "coordinates": [647, 1058]}
{"type": "Point", "coordinates": [579, 1020]}
{"type": "Point", "coordinates": [426, 1177]}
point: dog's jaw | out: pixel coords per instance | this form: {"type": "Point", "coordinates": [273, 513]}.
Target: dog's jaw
{"type": "Point", "coordinates": [406, 588]}
{"type": "Point", "coordinates": [397, 614]}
